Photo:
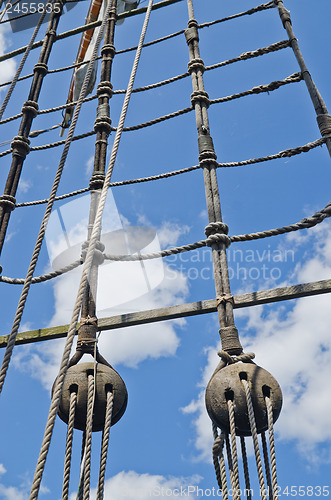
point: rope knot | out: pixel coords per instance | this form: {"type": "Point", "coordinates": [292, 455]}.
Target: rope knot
{"type": "Point", "coordinates": [40, 68]}
{"type": "Point", "coordinates": [220, 299]}
{"type": "Point", "coordinates": [105, 89]}
{"type": "Point", "coordinates": [98, 257]}
{"type": "Point", "coordinates": [6, 200]}
{"type": "Point", "coordinates": [108, 50]}
{"type": "Point", "coordinates": [30, 107]}
{"type": "Point", "coordinates": [216, 227]}
{"type": "Point", "coordinates": [196, 64]}
{"type": "Point", "coordinates": [97, 181]}
{"type": "Point", "coordinates": [218, 238]}
{"type": "Point", "coordinates": [20, 146]}
{"type": "Point", "coordinates": [89, 320]}
{"type": "Point", "coordinates": [216, 232]}
{"type": "Point", "coordinates": [199, 96]}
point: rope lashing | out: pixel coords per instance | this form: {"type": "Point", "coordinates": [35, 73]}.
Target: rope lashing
{"type": "Point", "coordinates": [217, 232]}
{"type": "Point", "coordinates": [8, 201]}
{"type": "Point", "coordinates": [324, 124]}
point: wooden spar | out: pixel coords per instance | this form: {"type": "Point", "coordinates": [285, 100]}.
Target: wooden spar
{"type": "Point", "coordinates": [179, 311]}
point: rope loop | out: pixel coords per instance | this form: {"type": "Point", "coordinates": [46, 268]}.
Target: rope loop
{"type": "Point", "coordinates": [40, 68]}
{"type": "Point", "coordinates": [6, 200]}
{"type": "Point", "coordinates": [216, 227]}
{"type": "Point", "coordinates": [20, 146]}
{"type": "Point", "coordinates": [199, 96]}
{"type": "Point", "coordinates": [218, 238]}
{"type": "Point", "coordinates": [192, 23]}
{"type": "Point", "coordinates": [196, 65]}
{"type": "Point", "coordinates": [103, 124]}
{"type": "Point", "coordinates": [108, 50]}
{"type": "Point", "coordinates": [105, 89]}
{"type": "Point", "coordinates": [96, 181]}
{"type": "Point", "coordinates": [30, 107]}
{"type": "Point", "coordinates": [244, 357]}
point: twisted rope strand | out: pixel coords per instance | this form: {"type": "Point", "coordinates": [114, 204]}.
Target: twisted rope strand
{"type": "Point", "coordinates": [252, 423]}
{"type": "Point", "coordinates": [104, 445]}
{"type": "Point", "coordinates": [245, 466]}
{"type": "Point", "coordinates": [287, 153]}
{"type": "Point", "coordinates": [88, 442]}
{"type": "Point", "coordinates": [236, 490]}
{"type": "Point", "coordinates": [266, 463]}
{"type": "Point", "coordinates": [272, 449]}
{"type": "Point", "coordinates": [89, 257]}
{"type": "Point", "coordinates": [70, 433]}
{"type": "Point", "coordinates": [44, 277]}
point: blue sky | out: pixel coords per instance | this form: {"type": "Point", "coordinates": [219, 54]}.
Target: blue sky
{"type": "Point", "coordinates": [164, 438]}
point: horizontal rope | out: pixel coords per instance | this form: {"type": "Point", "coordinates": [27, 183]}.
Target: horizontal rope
{"type": "Point", "coordinates": [294, 78]}
{"type": "Point", "coordinates": [245, 56]}
{"type": "Point", "coordinates": [287, 153]}
{"type": "Point", "coordinates": [53, 144]}
{"type": "Point", "coordinates": [306, 223]}
{"type": "Point", "coordinates": [44, 277]}
{"type": "Point", "coordinates": [86, 27]}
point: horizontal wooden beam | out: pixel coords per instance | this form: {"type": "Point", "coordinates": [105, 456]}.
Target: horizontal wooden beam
{"type": "Point", "coordinates": [179, 311]}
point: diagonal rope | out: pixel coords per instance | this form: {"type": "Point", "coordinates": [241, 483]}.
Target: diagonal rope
{"type": "Point", "coordinates": [70, 432]}
{"type": "Point", "coordinates": [24, 58]}
{"type": "Point", "coordinates": [42, 230]}
{"type": "Point", "coordinates": [87, 265]}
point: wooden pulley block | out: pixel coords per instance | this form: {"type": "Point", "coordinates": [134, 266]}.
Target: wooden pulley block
{"type": "Point", "coordinates": [107, 379]}
{"type": "Point", "coordinates": [226, 384]}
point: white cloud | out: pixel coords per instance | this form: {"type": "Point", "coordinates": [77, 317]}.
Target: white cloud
{"type": "Point", "coordinates": [7, 67]}
{"type": "Point", "coordinates": [293, 343]}
{"type": "Point", "coordinates": [24, 186]}
{"type": "Point", "coordinates": [150, 286]}
{"type": "Point", "coordinates": [126, 485]}
{"type": "Point", "coordinates": [3, 470]}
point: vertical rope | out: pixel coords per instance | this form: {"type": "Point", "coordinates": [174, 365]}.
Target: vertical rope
{"type": "Point", "coordinates": [70, 433]}
{"type": "Point", "coordinates": [82, 462]}
{"type": "Point", "coordinates": [88, 444]}
{"type": "Point", "coordinates": [252, 423]}
{"type": "Point", "coordinates": [219, 462]}
{"type": "Point", "coordinates": [245, 465]}
{"type": "Point", "coordinates": [104, 445]}
{"type": "Point", "coordinates": [88, 260]}
{"type": "Point", "coordinates": [272, 448]}
{"type": "Point", "coordinates": [234, 449]}
{"type": "Point", "coordinates": [266, 463]}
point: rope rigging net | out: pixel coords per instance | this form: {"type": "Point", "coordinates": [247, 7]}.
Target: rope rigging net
{"type": "Point", "coordinates": [242, 399]}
